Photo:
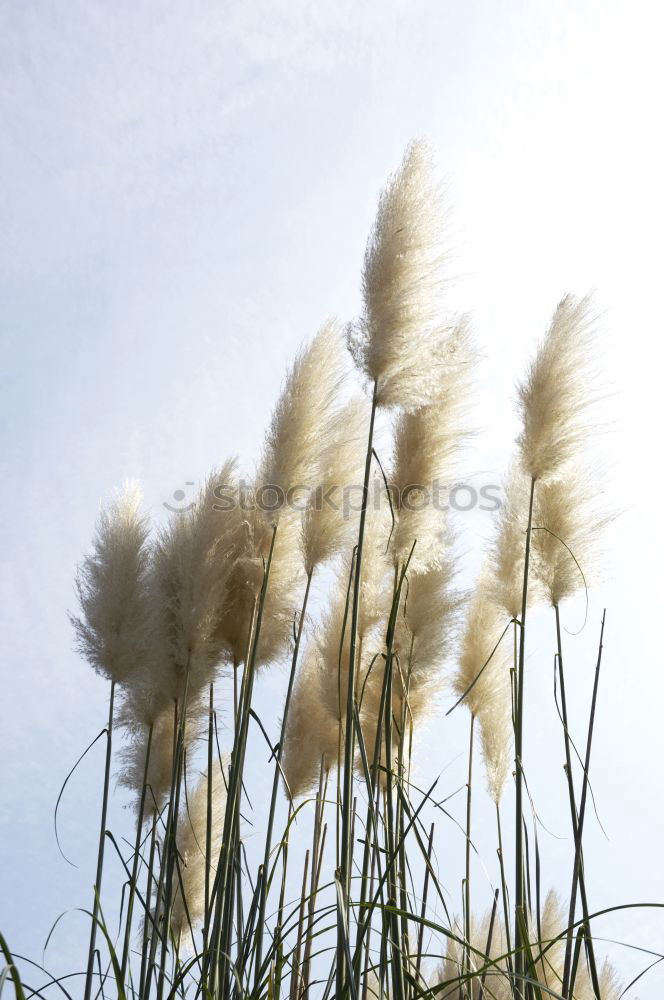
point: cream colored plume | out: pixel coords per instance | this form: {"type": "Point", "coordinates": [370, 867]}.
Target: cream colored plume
{"type": "Point", "coordinates": [427, 446]}
{"type": "Point", "coordinates": [496, 733]}
{"type": "Point", "coordinates": [193, 560]}
{"type": "Point", "coordinates": [481, 668]}
{"type": "Point", "coordinates": [318, 705]}
{"type": "Point", "coordinates": [558, 391]}
{"type": "Point", "coordinates": [308, 402]}
{"type": "Point", "coordinates": [376, 572]}
{"type": "Point", "coordinates": [191, 844]}
{"type": "Point", "coordinates": [253, 540]}
{"type": "Point", "coordinates": [331, 513]}
{"type": "Point", "coordinates": [568, 524]}
{"type": "Point", "coordinates": [507, 553]}
{"type": "Point", "coordinates": [424, 631]}
{"type": "Point", "coordinates": [548, 952]}
{"type": "Point", "coordinates": [332, 638]}
{"type": "Point", "coordinates": [399, 341]}
{"type": "Point", "coordinates": [143, 707]}
{"type": "Point", "coordinates": [312, 732]}
{"type": "Point", "coordinates": [113, 591]}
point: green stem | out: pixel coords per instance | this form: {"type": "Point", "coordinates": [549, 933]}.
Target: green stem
{"type": "Point", "coordinates": [137, 855]}
{"type": "Point", "coordinates": [579, 832]}
{"type": "Point", "coordinates": [219, 960]}
{"type": "Point", "coordinates": [347, 798]}
{"type": "Point", "coordinates": [467, 929]}
{"type": "Point", "coordinates": [506, 911]}
{"type": "Point", "coordinates": [100, 849]}
{"type": "Point", "coordinates": [170, 844]}
{"type": "Point", "coordinates": [275, 786]}
{"type": "Point", "coordinates": [208, 827]}
{"type": "Point", "coordinates": [520, 921]}
{"type": "Point", "coordinates": [148, 903]}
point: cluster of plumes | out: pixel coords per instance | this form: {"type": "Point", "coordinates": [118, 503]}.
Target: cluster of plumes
{"type": "Point", "coordinates": [428, 443]}
{"type": "Point", "coordinates": [557, 403]}
{"type": "Point", "coordinates": [424, 632]}
{"type": "Point", "coordinates": [191, 839]}
{"type": "Point", "coordinates": [317, 713]}
{"type": "Point", "coordinates": [161, 617]}
{"type": "Point", "coordinates": [482, 679]}
{"type": "Point", "coordinates": [421, 361]}
{"type": "Point", "coordinates": [547, 949]}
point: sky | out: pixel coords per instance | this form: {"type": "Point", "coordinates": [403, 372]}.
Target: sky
{"type": "Point", "coordinates": [187, 191]}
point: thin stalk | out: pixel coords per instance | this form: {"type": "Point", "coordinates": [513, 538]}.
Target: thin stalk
{"type": "Point", "coordinates": [487, 951]}
{"type": "Point", "coordinates": [467, 928]}
{"type": "Point", "coordinates": [520, 921]}
{"type": "Point", "coordinates": [346, 845]}
{"type": "Point", "coordinates": [397, 970]}
{"type": "Point", "coordinates": [317, 856]}
{"type": "Point", "coordinates": [170, 845]}
{"type": "Point", "coordinates": [275, 782]}
{"type": "Point", "coordinates": [579, 833]}
{"type": "Point", "coordinates": [223, 904]}
{"type": "Point", "coordinates": [137, 855]}
{"type": "Point", "coordinates": [404, 902]}
{"type": "Point", "coordinates": [100, 849]}
{"type": "Point", "coordinates": [278, 934]}
{"type": "Point", "coordinates": [295, 973]}
{"type": "Point", "coordinates": [572, 797]}
{"type": "Point", "coordinates": [148, 904]}
{"type": "Point", "coordinates": [373, 812]}
{"type": "Point", "coordinates": [506, 911]}
{"type": "Point", "coordinates": [159, 899]}
{"type": "Point", "coordinates": [423, 909]}
{"type": "Point", "coordinates": [208, 827]}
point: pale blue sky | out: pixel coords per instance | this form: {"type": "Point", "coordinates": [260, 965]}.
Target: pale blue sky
{"type": "Point", "coordinates": [186, 194]}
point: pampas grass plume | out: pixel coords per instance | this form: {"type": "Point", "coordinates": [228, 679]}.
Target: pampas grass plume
{"type": "Point", "coordinates": [478, 670]}
{"type": "Point", "coordinates": [427, 445]}
{"type": "Point", "coordinates": [555, 397]}
{"type": "Point", "coordinates": [308, 402]}
{"type": "Point", "coordinates": [190, 839]}
{"type": "Point", "coordinates": [113, 591]}
{"type": "Point", "coordinates": [396, 343]}
{"type": "Point", "coordinates": [325, 526]}
{"type": "Point", "coordinates": [312, 731]}
{"type": "Point", "coordinates": [193, 560]}
{"type": "Point", "coordinates": [568, 527]}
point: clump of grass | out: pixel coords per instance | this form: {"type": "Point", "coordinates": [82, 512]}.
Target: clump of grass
{"type": "Point", "coordinates": [173, 618]}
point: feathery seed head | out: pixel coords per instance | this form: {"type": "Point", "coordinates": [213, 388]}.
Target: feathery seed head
{"type": "Point", "coordinates": [427, 446]}
{"type": "Point", "coordinates": [558, 391]}
{"type": "Point", "coordinates": [191, 843]}
{"type": "Point", "coordinates": [568, 525]}
{"type": "Point", "coordinates": [325, 524]}
{"type": "Point", "coordinates": [139, 710]}
{"type": "Point", "coordinates": [399, 340]}
{"type": "Point", "coordinates": [480, 663]}
{"type": "Point", "coordinates": [312, 732]}
{"type": "Point", "coordinates": [507, 553]}
{"type": "Point", "coordinates": [307, 404]}
{"type": "Point", "coordinates": [193, 560]}
{"type": "Point", "coordinates": [112, 586]}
